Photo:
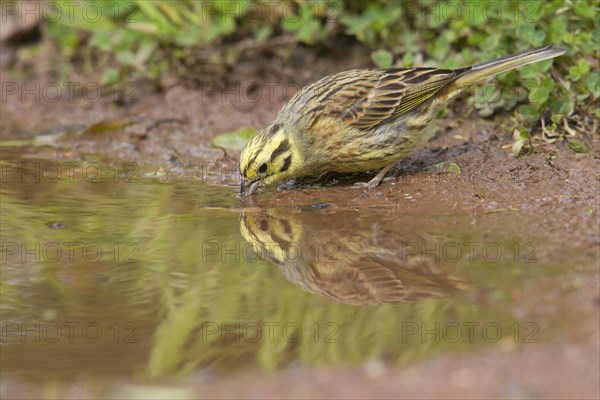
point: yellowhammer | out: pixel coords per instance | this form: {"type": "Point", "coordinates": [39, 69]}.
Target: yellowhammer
{"type": "Point", "coordinates": [362, 120]}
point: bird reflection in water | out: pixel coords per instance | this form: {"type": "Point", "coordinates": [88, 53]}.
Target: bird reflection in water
{"type": "Point", "coordinates": [349, 257]}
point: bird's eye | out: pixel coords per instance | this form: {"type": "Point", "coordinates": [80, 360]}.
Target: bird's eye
{"type": "Point", "coordinates": [262, 168]}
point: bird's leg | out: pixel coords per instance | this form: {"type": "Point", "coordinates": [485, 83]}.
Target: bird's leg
{"type": "Point", "coordinates": [373, 183]}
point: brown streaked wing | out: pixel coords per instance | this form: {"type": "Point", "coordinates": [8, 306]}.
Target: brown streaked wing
{"type": "Point", "coordinates": [367, 98]}
{"type": "Point", "coordinates": [365, 282]}
{"type": "Point", "coordinates": [372, 280]}
{"type": "Point", "coordinates": [423, 83]}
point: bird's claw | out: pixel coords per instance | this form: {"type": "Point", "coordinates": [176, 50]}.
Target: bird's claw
{"type": "Point", "coordinates": [372, 184]}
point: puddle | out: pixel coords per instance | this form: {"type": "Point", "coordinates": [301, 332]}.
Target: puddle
{"type": "Point", "coordinates": [133, 279]}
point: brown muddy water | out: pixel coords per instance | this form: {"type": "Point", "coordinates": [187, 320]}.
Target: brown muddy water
{"type": "Point", "coordinates": [118, 281]}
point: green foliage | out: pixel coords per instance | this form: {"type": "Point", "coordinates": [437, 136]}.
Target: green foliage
{"type": "Point", "coordinates": [579, 147]}
{"type": "Point", "coordinates": [234, 141]}
{"type": "Point", "coordinates": [145, 39]}
{"type": "Point", "coordinates": [307, 23]}
{"type": "Point", "coordinates": [382, 58]}
{"type": "Point", "coordinates": [522, 141]}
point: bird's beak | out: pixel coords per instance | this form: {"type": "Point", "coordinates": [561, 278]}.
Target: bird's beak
{"type": "Point", "coordinates": [248, 187]}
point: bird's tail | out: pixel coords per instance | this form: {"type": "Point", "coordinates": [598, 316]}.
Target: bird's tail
{"type": "Point", "coordinates": [488, 69]}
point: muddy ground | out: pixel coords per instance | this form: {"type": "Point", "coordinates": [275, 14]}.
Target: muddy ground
{"type": "Point", "coordinates": [171, 130]}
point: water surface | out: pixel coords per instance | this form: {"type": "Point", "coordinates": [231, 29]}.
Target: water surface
{"type": "Point", "coordinates": [119, 274]}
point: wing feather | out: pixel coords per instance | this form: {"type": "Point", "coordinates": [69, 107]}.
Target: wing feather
{"type": "Point", "coordinates": [367, 98]}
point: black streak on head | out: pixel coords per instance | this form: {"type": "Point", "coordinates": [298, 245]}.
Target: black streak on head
{"type": "Point", "coordinates": [286, 163]}
{"type": "Point", "coordinates": [264, 225]}
{"type": "Point", "coordinates": [283, 147]}
{"type": "Point", "coordinates": [274, 128]}
{"type": "Point", "coordinates": [286, 225]}
{"type": "Point", "coordinates": [283, 244]}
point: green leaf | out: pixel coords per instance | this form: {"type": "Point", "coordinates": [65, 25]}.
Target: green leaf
{"type": "Point", "coordinates": [408, 59]}
{"type": "Point", "coordinates": [517, 147]}
{"type": "Point", "coordinates": [593, 83]}
{"type": "Point", "coordinates": [382, 58]}
{"type": "Point", "coordinates": [539, 96]}
{"type": "Point", "coordinates": [453, 167]}
{"type": "Point", "coordinates": [234, 141]}
{"type": "Point", "coordinates": [558, 26]}
{"type": "Point", "coordinates": [556, 118]}
{"type": "Point", "coordinates": [308, 29]}
{"type": "Point", "coordinates": [521, 134]}
{"type": "Point", "coordinates": [152, 10]}
{"type": "Point", "coordinates": [568, 38]}
{"type": "Point", "coordinates": [522, 139]}
{"type": "Point", "coordinates": [145, 51]}
{"type": "Point", "coordinates": [110, 76]}
{"type": "Point", "coordinates": [445, 166]}
{"type": "Point", "coordinates": [107, 126]}
{"type": "Point", "coordinates": [529, 112]}
{"type": "Point", "coordinates": [584, 66]}
{"type": "Point", "coordinates": [586, 9]}
{"type": "Point", "coordinates": [171, 11]}
{"type": "Point", "coordinates": [263, 33]}
{"type": "Point", "coordinates": [126, 57]}
{"type": "Point", "coordinates": [579, 147]}
{"type": "Point", "coordinates": [189, 36]}
{"type": "Point", "coordinates": [576, 72]}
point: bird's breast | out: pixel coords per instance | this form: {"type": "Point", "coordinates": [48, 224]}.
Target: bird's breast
{"type": "Point", "coordinates": [343, 148]}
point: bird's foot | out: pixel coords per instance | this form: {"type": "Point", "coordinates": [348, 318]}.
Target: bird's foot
{"type": "Point", "coordinates": [373, 183]}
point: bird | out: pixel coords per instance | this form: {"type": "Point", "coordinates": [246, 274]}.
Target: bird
{"type": "Point", "coordinates": [350, 260]}
{"type": "Point", "coordinates": [362, 120]}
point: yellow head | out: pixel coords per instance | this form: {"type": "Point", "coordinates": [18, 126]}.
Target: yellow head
{"type": "Point", "coordinates": [271, 156]}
